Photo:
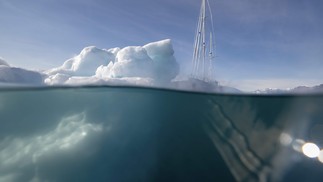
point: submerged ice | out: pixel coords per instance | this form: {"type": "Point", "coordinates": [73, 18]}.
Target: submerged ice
{"type": "Point", "coordinates": [76, 134]}
{"type": "Point", "coordinates": [127, 134]}
{"type": "Point", "coordinates": [21, 157]}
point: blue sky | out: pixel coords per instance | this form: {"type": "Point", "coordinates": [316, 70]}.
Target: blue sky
{"type": "Point", "coordinates": [268, 42]}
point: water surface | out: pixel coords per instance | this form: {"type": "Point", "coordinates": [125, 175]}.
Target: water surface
{"type": "Point", "coordinates": [142, 134]}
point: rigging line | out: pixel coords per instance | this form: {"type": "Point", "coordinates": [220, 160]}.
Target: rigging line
{"type": "Point", "coordinates": [195, 47]}
{"type": "Point", "coordinates": [204, 41]}
{"type": "Point", "coordinates": [210, 10]}
{"type": "Point", "coordinates": [212, 37]}
{"type": "Point", "coordinates": [210, 75]}
{"type": "Point", "coordinates": [200, 39]}
{"type": "Point", "coordinates": [196, 53]}
{"type": "Point", "coordinates": [212, 26]}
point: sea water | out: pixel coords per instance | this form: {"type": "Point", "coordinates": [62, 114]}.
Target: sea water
{"type": "Point", "coordinates": [143, 134]}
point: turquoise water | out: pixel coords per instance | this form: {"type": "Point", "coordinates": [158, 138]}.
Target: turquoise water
{"type": "Point", "coordinates": [141, 134]}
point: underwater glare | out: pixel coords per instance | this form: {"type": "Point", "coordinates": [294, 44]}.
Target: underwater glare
{"type": "Point", "coordinates": [311, 150]}
{"type": "Point", "coordinates": [144, 134]}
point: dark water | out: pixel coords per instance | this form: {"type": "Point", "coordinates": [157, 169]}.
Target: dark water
{"type": "Point", "coordinates": [139, 134]}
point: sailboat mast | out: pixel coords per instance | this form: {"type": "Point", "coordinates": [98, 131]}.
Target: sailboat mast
{"type": "Point", "coordinates": [197, 49]}
{"type": "Point", "coordinates": [197, 45]}
{"type": "Point", "coordinates": [201, 63]}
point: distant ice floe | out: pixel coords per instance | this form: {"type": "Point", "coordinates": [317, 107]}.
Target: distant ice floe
{"type": "Point", "coordinates": [11, 75]}
{"type": "Point", "coordinates": [296, 90]}
{"type": "Point", "coordinates": [3, 62]}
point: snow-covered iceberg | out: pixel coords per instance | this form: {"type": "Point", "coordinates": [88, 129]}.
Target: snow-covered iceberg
{"type": "Point", "coordinates": [154, 62]}
{"type": "Point", "coordinates": [12, 75]}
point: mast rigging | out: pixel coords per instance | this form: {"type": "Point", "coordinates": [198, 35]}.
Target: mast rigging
{"type": "Point", "coordinates": [201, 63]}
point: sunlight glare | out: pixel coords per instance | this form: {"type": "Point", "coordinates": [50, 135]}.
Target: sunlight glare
{"type": "Point", "coordinates": [311, 150]}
